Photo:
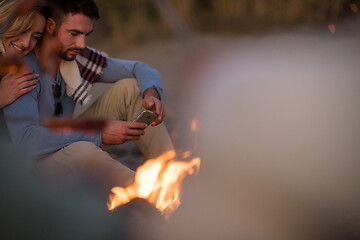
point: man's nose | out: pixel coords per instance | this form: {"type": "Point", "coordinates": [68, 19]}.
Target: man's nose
{"type": "Point", "coordinates": [81, 42]}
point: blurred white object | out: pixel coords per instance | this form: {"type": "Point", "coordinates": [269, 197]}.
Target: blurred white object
{"type": "Point", "coordinates": [279, 137]}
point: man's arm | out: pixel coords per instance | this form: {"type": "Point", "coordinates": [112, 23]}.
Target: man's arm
{"type": "Point", "coordinates": [147, 77]}
{"type": "Point", "coordinates": [24, 124]}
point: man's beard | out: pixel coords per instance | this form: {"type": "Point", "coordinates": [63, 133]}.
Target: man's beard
{"type": "Point", "coordinates": [64, 54]}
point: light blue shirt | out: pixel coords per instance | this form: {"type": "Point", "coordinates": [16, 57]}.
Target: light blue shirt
{"type": "Point", "coordinates": [24, 116]}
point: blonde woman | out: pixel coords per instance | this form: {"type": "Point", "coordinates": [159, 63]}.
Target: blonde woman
{"type": "Point", "coordinates": [19, 37]}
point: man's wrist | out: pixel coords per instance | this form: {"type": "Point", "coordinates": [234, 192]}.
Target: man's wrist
{"type": "Point", "coordinates": [151, 92]}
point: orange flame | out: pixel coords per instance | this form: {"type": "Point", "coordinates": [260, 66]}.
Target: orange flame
{"type": "Point", "coordinates": [25, 6]}
{"type": "Point", "coordinates": [194, 125]}
{"type": "Point", "coordinates": [332, 28]}
{"type": "Point", "coordinates": [159, 181]}
{"type": "Point", "coordinates": [354, 8]}
{"type": "Point", "coordinates": [11, 65]}
{"type": "Point", "coordinates": [186, 154]}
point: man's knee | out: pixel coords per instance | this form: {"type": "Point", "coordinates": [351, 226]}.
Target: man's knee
{"type": "Point", "coordinates": [84, 161]}
{"type": "Point", "coordinates": [127, 85]}
{"type": "Point", "coordinates": [91, 161]}
{"type": "Point", "coordinates": [81, 149]}
{"type": "Point", "coordinates": [67, 160]}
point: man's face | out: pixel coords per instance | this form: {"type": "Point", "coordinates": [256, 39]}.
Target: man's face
{"type": "Point", "coordinates": [72, 34]}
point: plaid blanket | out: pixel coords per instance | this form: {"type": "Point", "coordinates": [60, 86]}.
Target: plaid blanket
{"type": "Point", "coordinates": [79, 75]}
{"type": "Point", "coordinates": [91, 62]}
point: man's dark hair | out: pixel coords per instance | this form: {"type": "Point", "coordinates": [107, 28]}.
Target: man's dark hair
{"type": "Point", "coordinates": [44, 10]}
{"type": "Point", "coordinates": [60, 8]}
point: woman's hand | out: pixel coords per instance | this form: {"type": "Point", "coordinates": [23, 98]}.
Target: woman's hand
{"type": "Point", "coordinates": [14, 85]}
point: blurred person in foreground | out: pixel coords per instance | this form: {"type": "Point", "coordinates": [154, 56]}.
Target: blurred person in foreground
{"type": "Point", "coordinates": [67, 82]}
{"type": "Point", "coordinates": [26, 205]}
{"type": "Point", "coordinates": [19, 38]}
{"type": "Point", "coordinates": [281, 133]}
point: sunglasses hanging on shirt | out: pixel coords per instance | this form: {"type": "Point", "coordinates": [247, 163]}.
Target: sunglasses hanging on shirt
{"type": "Point", "coordinates": [57, 94]}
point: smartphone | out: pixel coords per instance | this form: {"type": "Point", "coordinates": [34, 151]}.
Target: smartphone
{"type": "Point", "coordinates": [146, 116]}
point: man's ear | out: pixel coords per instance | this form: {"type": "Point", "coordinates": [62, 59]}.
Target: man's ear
{"type": "Point", "coordinates": [50, 26]}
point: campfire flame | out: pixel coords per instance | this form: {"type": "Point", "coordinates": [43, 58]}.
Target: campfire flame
{"type": "Point", "coordinates": [159, 181]}
{"type": "Point", "coordinates": [65, 124]}
{"type": "Point", "coordinates": [332, 28]}
{"type": "Point", "coordinates": [11, 65]}
{"type": "Point", "coordinates": [186, 154]}
{"type": "Point", "coordinates": [194, 125]}
{"type": "Point", "coordinates": [24, 6]}
{"type": "Point", "coordinates": [354, 8]}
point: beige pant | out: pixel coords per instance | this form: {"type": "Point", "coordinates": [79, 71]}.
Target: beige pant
{"type": "Point", "coordinates": [122, 101]}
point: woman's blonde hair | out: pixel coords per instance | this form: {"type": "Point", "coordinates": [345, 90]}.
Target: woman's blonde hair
{"type": "Point", "coordinates": [19, 24]}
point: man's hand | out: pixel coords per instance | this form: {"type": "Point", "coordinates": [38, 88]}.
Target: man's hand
{"type": "Point", "coordinates": [152, 102]}
{"type": "Point", "coordinates": [118, 132]}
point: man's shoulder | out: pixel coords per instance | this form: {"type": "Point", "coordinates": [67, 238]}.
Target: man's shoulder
{"type": "Point", "coordinates": [32, 61]}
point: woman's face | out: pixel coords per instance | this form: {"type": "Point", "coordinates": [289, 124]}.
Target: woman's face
{"type": "Point", "coordinates": [23, 43]}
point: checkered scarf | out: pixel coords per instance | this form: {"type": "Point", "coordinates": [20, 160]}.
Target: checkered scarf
{"type": "Point", "coordinates": [79, 75]}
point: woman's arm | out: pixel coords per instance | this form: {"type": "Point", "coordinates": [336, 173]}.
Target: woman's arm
{"type": "Point", "coordinates": [28, 134]}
